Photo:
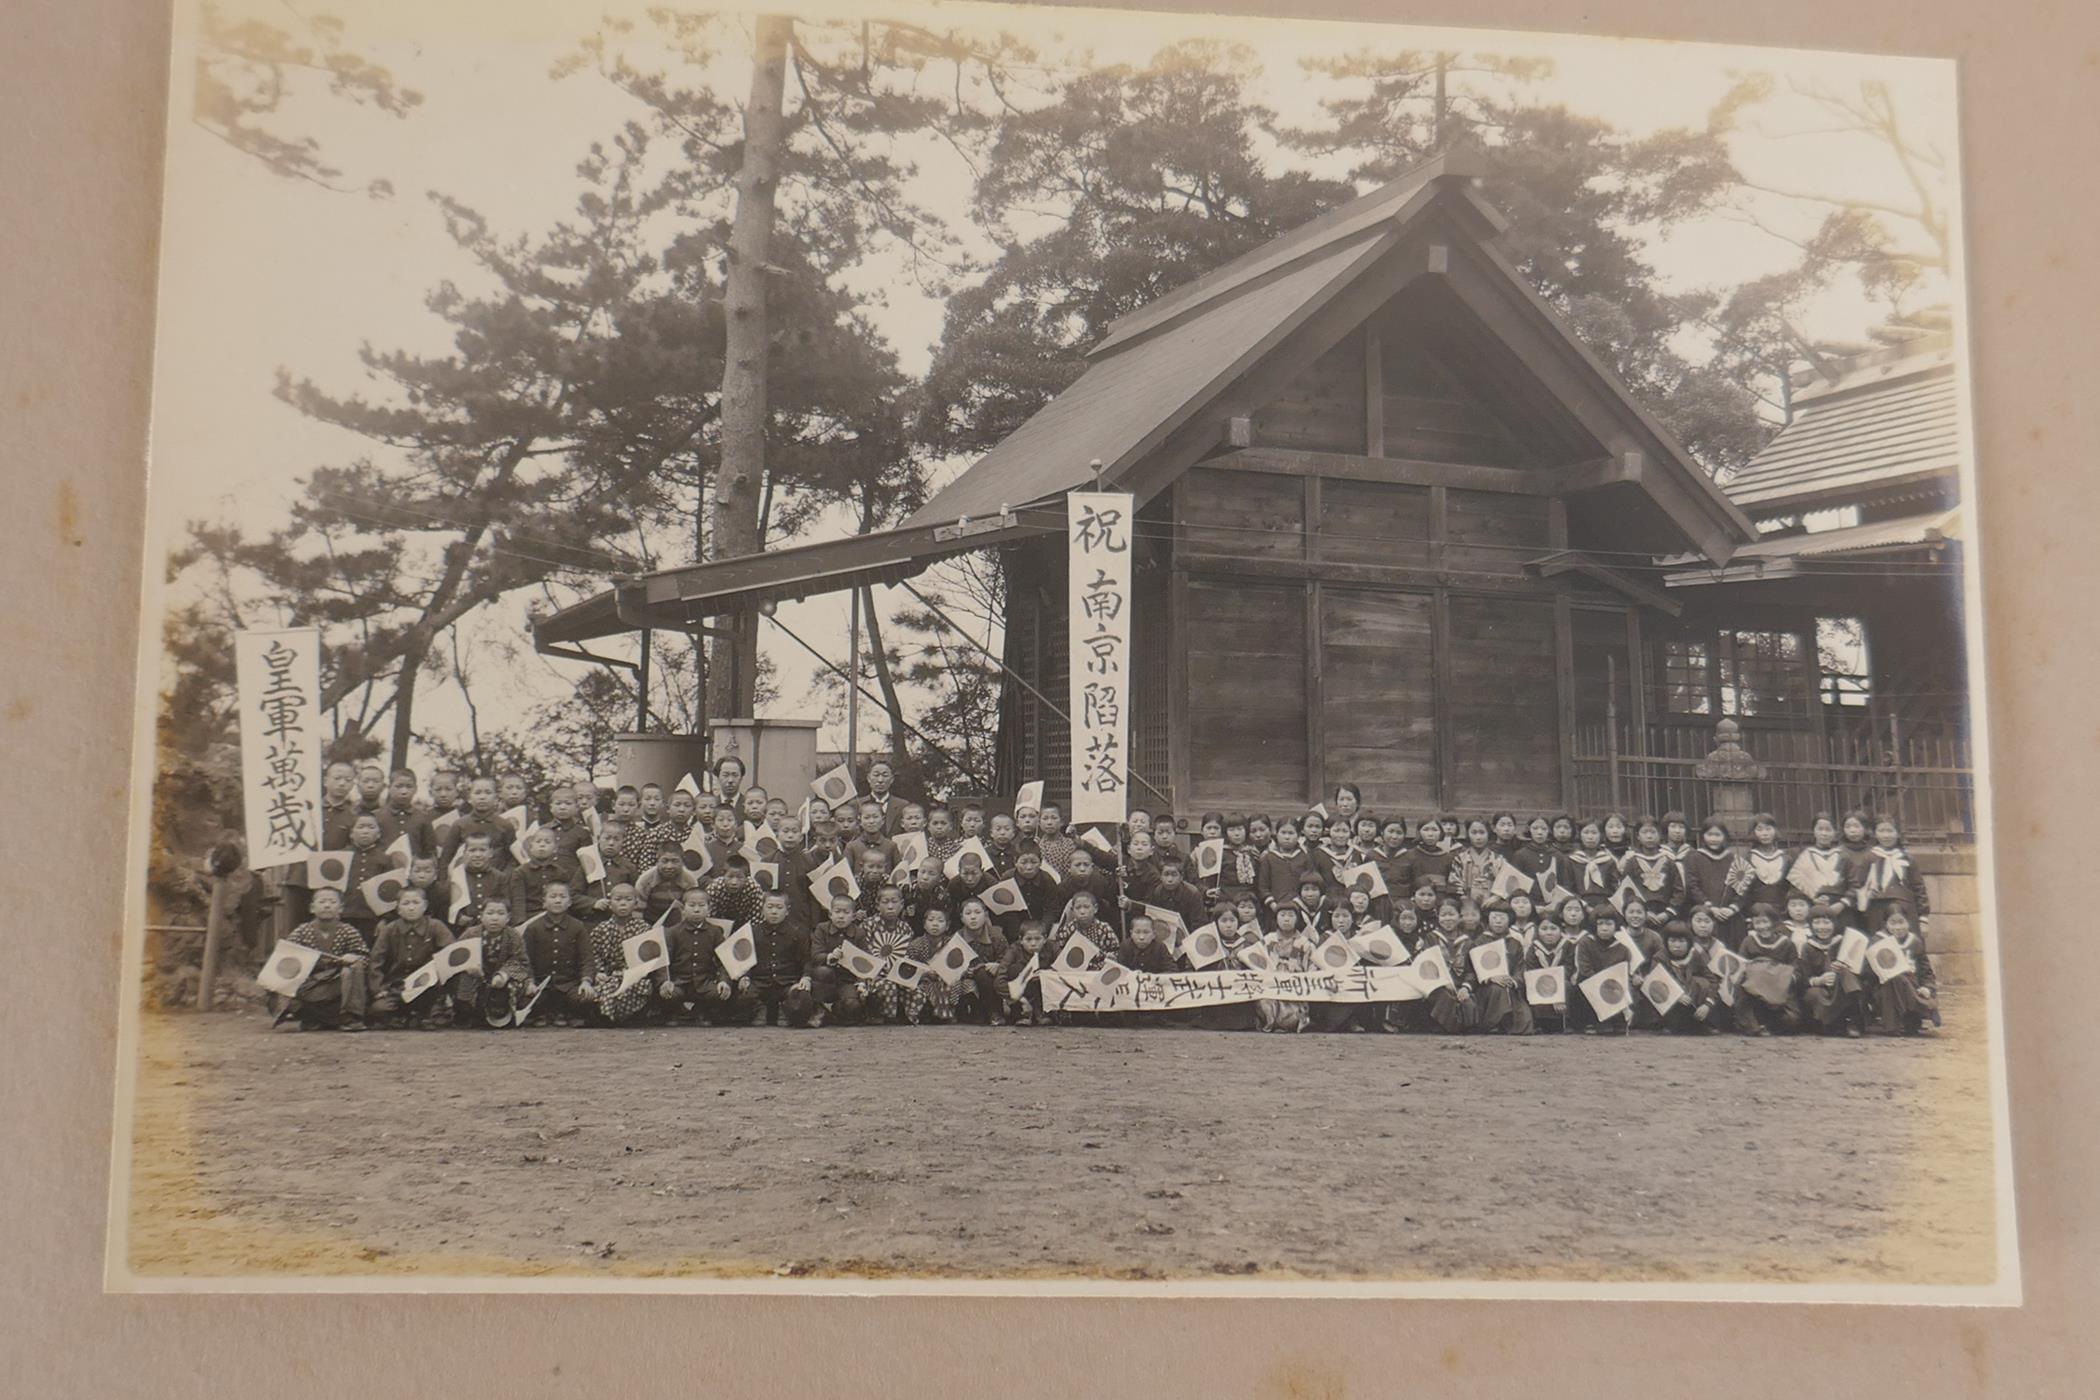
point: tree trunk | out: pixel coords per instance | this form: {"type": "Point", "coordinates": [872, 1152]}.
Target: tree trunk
{"type": "Point", "coordinates": [733, 678]}
{"type": "Point", "coordinates": [883, 677]}
{"type": "Point", "coordinates": [405, 701]}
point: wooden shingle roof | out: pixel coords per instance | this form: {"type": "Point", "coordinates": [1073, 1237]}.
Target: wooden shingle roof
{"type": "Point", "coordinates": [1882, 430]}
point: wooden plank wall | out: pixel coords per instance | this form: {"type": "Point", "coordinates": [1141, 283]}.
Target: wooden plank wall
{"type": "Point", "coordinates": [1378, 693]}
{"type": "Point", "coordinates": [1504, 704]}
{"type": "Point", "coordinates": [1245, 642]}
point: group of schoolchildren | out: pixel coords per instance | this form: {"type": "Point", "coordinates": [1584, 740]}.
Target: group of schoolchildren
{"type": "Point", "coordinates": [1750, 932]}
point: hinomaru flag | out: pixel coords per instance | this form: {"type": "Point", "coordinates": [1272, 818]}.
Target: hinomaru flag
{"type": "Point", "coordinates": [1888, 960]}
{"type": "Point", "coordinates": [520, 823]}
{"type": "Point", "coordinates": [1852, 951]}
{"type": "Point", "coordinates": [1723, 963]}
{"type": "Point", "coordinates": [1333, 955]}
{"type": "Point", "coordinates": [1546, 986]}
{"type": "Point", "coordinates": [911, 849]}
{"type": "Point", "coordinates": [738, 953]}
{"type": "Point", "coordinates": [1004, 898]}
{"type": "Point", "coordinates": [764, 873]}
{"type": "Point", "coordinates": [905, 972]}
{"type": "Point", "coordinates": [697, 858]}
{"type": "Point", "coordinates": [289, 965]}
{"type": "Point", "coordinates": [642, 954]}
{"type": "Point", "coordinates": [1432, 970]}
{"type": "Point", "coordinates": [592, 862]}
{"type": "Point", "coordinates": [1093, 836]}
{"type": "Point", "coordinates": [1209, 858]}
{"type": "Point", "coordinates": [689, 784]}
{"type": "Point", "coordinates": [279, 681]}
{"type": "Point", "coordinates": [383, 891]}
{"type": "Point", "coordinates": [1662, 990]}
{"type": "Point", "coordinates": [953, 866]}
{"type": "Point", "coordinates": [761, 838]}
{"type": "Point", "coordinates": [1110, 977]}
{"type": "Point", "coordinates": [1489, 959]}
{"type": "Point", "coordinates": [1254, 957]}
{"type": "Point", "coordinates": [1608, 992]}
{"type": "Point", "coordinates": [832, 879]}
{"type": "Point", "coordinates": [330, 870]}
{"type": "Point", "coordinates": [835, 787]}
{"type": "Point", "coordinates": [1203, 947]}
{"type": "Point", "coordinates": [421, 980]}
{"type": "Point", "coordinates": [1625, 939]}
{"type": "Point", "coordinates": [1018, 988]}
{"type": "Point", "coordinates": [1030, 797]}
{"type": "Point", "coordinates": [1168, 925]}
{"type": "Point", "coordinates": [461, 955]}
{"type": "Point", "coordinates": [1379, 946]}
{"type": "Point", "coordinates": [953, 959]}
{"type": "Point", "coordinates": [1366, 877]}
{"type": "Point", "coordinates": [1627, 893]}
{"type": "Point", "coordinates": [401, 852]}
{"type": "Point", "coordinates": [859, 961]}
{"type": "Point", "coordinates": [1077, 952]}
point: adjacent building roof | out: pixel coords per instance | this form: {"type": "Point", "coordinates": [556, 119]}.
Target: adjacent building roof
{"type": "Point", "coordinates": [1787, 555]}
{"type": "Point", "coordinates": [1889, 426]}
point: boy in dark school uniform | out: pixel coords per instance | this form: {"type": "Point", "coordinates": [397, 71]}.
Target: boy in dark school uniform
{"type": "Point", "coordinates": [1101, 886]}
{"type": "Point", "coordinates": [870, 835]}
{"type": "Point", "coordinates": [970, 884]}
{"type": "Point", "coordinates": [1038, 892]}
{"type": "Point", "coordinates": [1028, 1009]}
{"type": "Point", "coordinates": [526, 884]}
{"type": "Point", "coordinates": [398, 815]}
{"type": "Point", "coordinates": [478, 881]}
{"type": "Point", "coordinates": [839, 995]}
{"type": "Point", "coordinates": [1172, 891]}
{"type": "Point", "coordinates": [483, 818]}
{"type": "Point", "coordinates": [695, 985]}
{"type": "Point", "coordinates": [555, 944]}
{"type": "Point", "coordinates": [367, 860]}
{"type": "Point", "coordinates": [1001, 842]}
{"type": "Point", "coordinates": [404, 943]}
{"type": "Point", "coordinates": [566, 825]}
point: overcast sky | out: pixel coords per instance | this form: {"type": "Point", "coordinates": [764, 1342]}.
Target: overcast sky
{"type": "Point", "coordinates": [260, 272]}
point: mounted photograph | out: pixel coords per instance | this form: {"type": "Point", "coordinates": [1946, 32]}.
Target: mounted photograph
{"type": "Point", "coordinates": [979, 648]}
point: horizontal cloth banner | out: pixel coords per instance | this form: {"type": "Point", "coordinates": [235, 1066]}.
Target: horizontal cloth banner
{"type": "Point", "coordinates": [1122, 990]}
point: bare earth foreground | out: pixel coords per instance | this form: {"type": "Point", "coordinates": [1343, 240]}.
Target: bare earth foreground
{"type": "Point", "coordinates": [1132, 1154]}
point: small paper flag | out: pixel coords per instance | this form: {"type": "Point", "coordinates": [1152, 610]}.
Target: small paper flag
{"type": "Point", "coordinates": [1333, 955]}
{"type": "Point", "coordinates": [953, 866]}
{"type": "Point", "coordinates": [1004, 898]}
{"type": "Point", "coordinates": [456, 878]}
{"type": "Point", "coordinates": [1366, 877]}
{"type": "Point", "coordinates": [421, 980]}
{"type": "Point", "coordinates": [644, 953]}
{"type": "Point", "coordinates": [330, 870]}
{"type": "Point", "coordinates": [1209, 858]}
{"type": "Point", "coordinates": [1608, 992]}
{"type": "Point", "coordinates": [1079, 950]}
{"type": "Point", "coordinates": [1724, 964]}
{"type": "Point", "coordinates": [1626, 940]}
{"type": "Point", "coordinates": [738, 953]}
{"type": "Point", "coordinates": [1852, 951]}
{"type": "Point", "coordinates": [1203, 947]}
{"type": "Point", "coordinates": [689, 784]}
{"type": "Point", "coordinates": [1546, 986]}
{"type": "Point", "coordinates": [1810, 874]}
{"type": "Point", "coordinates": [462, 955]}
{"type": "Point", "coordinates": [859, 961]}
{"type": "Point", "coordinates": [832, 879]}
{"type": "Point", "coordinates": [1092, 836]}
{"type": "Point", "coordinates": [1431, 969]}
{"type": "Point", "coordinates": [761, 838]}
{"type": "Point", "coordinates": [1551, 895]}
{"type": "Point", "coordinates": [698, 859]}
{"type": "Point", "coordinates": [401, 853]}
{"type": "Point", "coordinates": [289, 965]}
{"type": "Point", "coordinates": [953, 959]}
{"type": "Point", "coordinates": [1489, 959]}
{"type": "Point", "coordinates": [1318, 809]}
{"type": "Point", "coordinates": [1662, 990]}
{"type": "Point", "coordinates": [1627, 892]}
{"type": "Point", "coordinates": [445, 820]}
{"type": "Point", "coordinates": [1378, 945]}
{"type": "Point", "coordinates": [764, 873]}
{"type": "Point", "coordinates": [519, 819]}
{"type": "Point", "coordinates": [592, 863]}
{"type": "Point", "coordinates": [1255, 957]}
{"type": "Point", "coordinates": [835, 787]}
{"type": "Point", "coordinates": [1886, 956]}
{"type": "Point", "coordinates": [1110, 977]}
{"type": "Point", "coordinates": [905, 972]}
{"type": "Point", "coordinates": [911, 850]}
{"type": "Point", "coordinates": [1168, 925]}
{"type": "Point", "coordinates": [1509, 881]}
{"type": "Point", "coordinates": [383, 891]}
{"type": "Point", "coordinates": [1029, 798]}
{"type": "Point", "coordinates": [1018, 988]}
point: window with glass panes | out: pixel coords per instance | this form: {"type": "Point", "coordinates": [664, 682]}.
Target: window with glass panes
{"type": "Point", "coordinates": [1763, 674]}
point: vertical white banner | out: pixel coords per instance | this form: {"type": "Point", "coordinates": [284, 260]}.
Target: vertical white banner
{"type": "Point", "coordinates": [1099, 537]}
{"type": "Point", "coordinates": [280, 683]}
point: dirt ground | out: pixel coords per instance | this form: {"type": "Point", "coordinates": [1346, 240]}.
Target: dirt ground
{"type": "Point", "coordinates": [1124, 1153]}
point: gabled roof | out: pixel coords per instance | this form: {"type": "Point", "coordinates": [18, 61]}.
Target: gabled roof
{"type": "Point", "coordinates": [1886, 426]}
{"type": "Point", "coordinates": [1162, 368]}
{"type": "Point", "coordinates": [1830, 551]}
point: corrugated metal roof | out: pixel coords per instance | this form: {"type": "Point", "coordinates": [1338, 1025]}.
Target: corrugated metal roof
{"type": "Point", "coordinates": [1851, 539]}
{"type": "Point", "coordinates": [1123, 404]}
{"type": "Point", "coordinates": [1877, 428]}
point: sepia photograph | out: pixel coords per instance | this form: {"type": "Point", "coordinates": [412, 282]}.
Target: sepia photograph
{"type": "Point", "coordinates": [943, 647]}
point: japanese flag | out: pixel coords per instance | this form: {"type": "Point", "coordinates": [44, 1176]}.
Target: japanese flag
{"type": "Point", "coordinates": [421, 980]}
{"type": "Point", "coordinates": [1852, 951]}
{"type": "Point", "coordinates": [289, 965]}
{"type": "Point", "coordinates": [1366, 877]}
{"type": "Point", "coordinates": [698, 859]}
{"type": "Point", "coordinates": [953, 866]}
{"type": "Point", "coordinates": [1626, 940]}
{"type": "Point", "coordinates": [1546, 986]}
{"type": "Point", "coordinates": [738, 953]}
{"type": "Point", "coordinates": [643, 954]}
{"type": "Point", "coordinates": [1318, 809]}
{"type": "Point", "coordinates": [764, 873]}
{"type": "Point", "coordinates": [1551, 895]}
{"type": "Point", "coordinates": [456, 879]}
{"type": "Point", "coordinates": [445, 820]}
{"type": "Point", "coordinates": [1203, 947]}
{"type": "Point", "coordinates": [1079, 950]}
{"type": "Point", "coordinates": [1662, 990]}
{"type": "Point", "coordinates": [1378, 945]}
{"type": "Point", "coordinates": [519, 819]}
{"type": "Point", "coordinates": [1092, 836]}
{"type": "Point", "coordinates": [1431, 969]}
{"type": "Point", "coordinates": [859, 961]}
{"type": "Point", "coordinates": [953, 959]}
{"type": "Point", "coordinates": [689, 784]}
{"type": "Point", "coordinates": [401, 853]}
{"type": "Point", "coordinates": [760, 837]}
{"type": "Point", "coordinates": [1018, 988]}
{"type": "Point", "coordinates": [1029, 798]}
{"type": "Point", "coordinates": [832, 879]}
{"type": "Point", "coordinates": [330, 870]}
{"type": "Point", "coordinates": [1626, 893]}
{"type": "Point", "coordinates": [1608, 992]}
{"type": "Point", "coordinates": [904, 972]}
{"type": "Point", "coordinates": [1255, 957]}
{"type": "Point", "coordinates": [1209, 859]}
{"type": "Point", "coordinates": [1510, 881]}
{"type": "Point", "coordinates": [835, 787]}
{"type": "Point", "coordinates": [593, 863]}
{"type": "Point", "coordinates": [1489, 959]}
{"type": "Point", "coordinates": [1813, 871]}
{"type": "Point", "coordinates": [1110, 977]}
{"type": "Point", "coordinates": [1168, 925]}
{"type": "Point", "coordinates": [911, 849]}
{"type": "Point", "coordinates": [1886, 956]}
{"type": "Point", "coordinates": [1333, 955]}
{"type": "Point", "coordinates": [1724, 964]}
{"type": "Point", "coordinates": [1004, 898]}
{"type": "Point", "coordinates": [383, 891]}
{"type": "Point", "coordinates": [464, 955]}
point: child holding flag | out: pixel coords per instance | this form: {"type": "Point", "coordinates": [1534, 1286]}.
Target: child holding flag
{"type": "Point", "coordinates": [1769, 950]}
{"type": "Point", "coordinates": [605, 960]}
{"type": "Point", "coordinates": [1596, 949]}
{"type": "Point", "coordinates": [1697, 1009]}
{"type": "Point", "coordinates": [839, 993]}
{"type": "Point", "coordinates": [1551, 948]}
{"type": "Point", "coordinates": [1023, 959]}
{"type": "Point", "coordinates": [1905, 1003]}
{"type": "Point", "coordinates": [1289, 951]}
{"type": "Point", "coordinates": [404, 943]}
{"type": "Point", "coordinates": [555, 944]}
{"type": "Point", "coordinates": [337, 993]}
{"type": "Point", "coordinates": [1832, 995]}
{"type": "Point", "coordinates": [500, 987]}
{"type": "Point", "coordinates": [981, 996]}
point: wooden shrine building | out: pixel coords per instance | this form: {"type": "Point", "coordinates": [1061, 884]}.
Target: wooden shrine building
{"type": "Point", "coordinates": [1397, 526]}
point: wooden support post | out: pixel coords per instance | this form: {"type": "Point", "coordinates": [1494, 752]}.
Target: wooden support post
{"type": "Point", "coordinates": [1563, 652]}
{"type": "Point", "coordinates": [1315, 716]}
{"type": "Point", "coordinates": [1374, 394]}
{"type": "Point", "coordinates": [214, 940]}
{"type": "Point", "coordinates": [1611, 725]}
{"type": "Point", "coordinates": [641, 687]}
{"type": "Point", "coordinates": [1440, 658]}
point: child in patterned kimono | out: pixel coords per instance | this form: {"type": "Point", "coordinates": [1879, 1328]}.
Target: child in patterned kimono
{"type": "Point", "coordinates": [1894, 884]}
{"type": "Point", "coordinates": [886, 936]}
{"type": "Point", "coordinates": [1908, 1003]}
{"type": "Point", "coordinates": [1767, 947]}
{"type": "Point", "coordinates": [1832, 996]}
{"type": "Point", "coordinates": [621, 836]}
{"type": "Point", "coordinates": [1700, 1009]}
{"type": "Point", "coordinates": [1053, 840]}
{"type": "Point", "coordinates": [555, 942]}
{"type": "Point", "coordinates": [338, 992]}
{"type": "Point", "coordinates": [605, 961]}
{"type": "Point", "coordinates": [404, 943]}
{"type": "Point", "coordinates": [1474, 867]}
{"type": "Point", "coordinates": [1551, 947]}
{"type": "Point", "coordinates": [1289, 951]}
{"type": "Point", "coordinates": [937, 1000]}
{"type": "Point", "coordinates": [493, 996]}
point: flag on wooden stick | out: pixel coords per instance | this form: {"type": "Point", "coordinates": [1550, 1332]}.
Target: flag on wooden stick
{"type": "Point", "coordinates": [330, 870]}
{"type": "Point", "coordinates": [456, 880]}
{"type": "Point", "coordinates": [1635, 956]}
{"type": "Point", "coordinates": [698, 859]}
{"type": "Point", "coordinates": [1662, 990]}
{"type": "Point", "coordinates": [1029, 798]}
{"type": "Point", "coordinates": [644, 953]}
{"type": "Point", "coordinates": [1379, 946]}
{"type": "Point", "coordinates": [690, 784]}
{"type": "Point", "coordinates": [519, 819]}
{"type": "Point", "coordinates": [738, 953]}
{"type": "Point", "coordinates": [953, 866]}
{"type": "Point", "coordinates": [1489, 959]}
{"type": "Point", "coordinates": [383, 891]}
{"type": "Point", "coordinates": [1092, 836]}
{"type": "Point", "coordinates": [289, 965]}
{"type": "Point", "coordinates": [1546, 986]}
{"type": "Point", "coordinates": [1254, 957]}
{"type": "Point", "coordinates": [1366, 877]}
{"type": "Point", "coordinates": [1432, 970]}
{"type": "Point", "coordinates": [1077, 952]}
{"type": "Point", "coordinates": [859, 961]}
{"type": "Point", "coordinates": [1852, 951]}
{"type": "Point", "coordinates": [911, 850]}
{"type": "Point", "coordinates": [1509, 880]}
{"type": "Point", "coordinates": [905, 972]}
{"type": "Point", "coordinates": [1608, 992]}
{"type": "Point", "coordinates": [953, 959]}
{"type": "Point", "coordinates": [1888, 960]}
{"type": "Point", "coordinates": [401, 853]}
{"type": "Point", "coordinates": [1334, 955]}
{"type": "Point", "coordinates": [1004, 898]}
{"type": "Point", "coordinates": [832, 879]}
{"type": "Point", "coordinates": [1168, 925]}
{"type": "Point", "coordinates": [420, 981]}
{"type": "Point", "coordinates": [1203, 947]}
{"type": "Point", "coordinates": [592, 862]}
{"type": "Point", "coordinates": [1208, 858]}
{"type": "Point", "coordinates": [460, 955]}
{"type": "Point", "coordinates": [835, 787]}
